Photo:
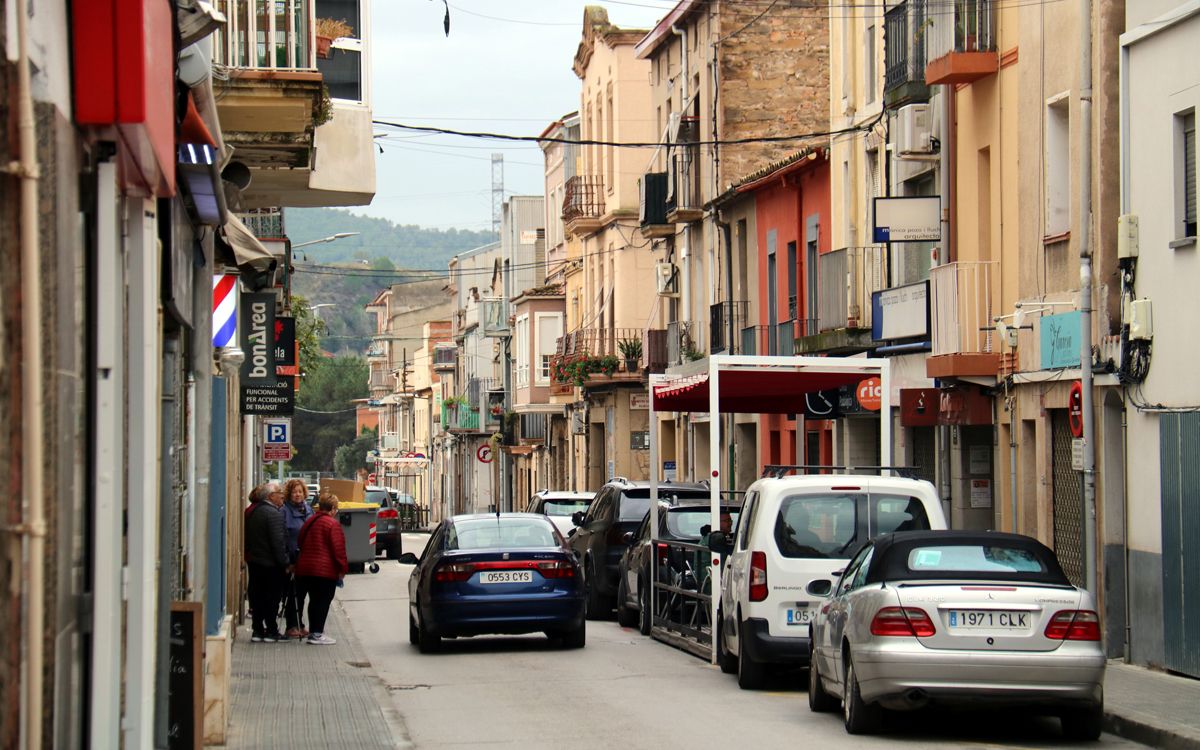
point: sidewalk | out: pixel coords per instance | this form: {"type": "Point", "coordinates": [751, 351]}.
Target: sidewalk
{"type": "Point", "coordinates": [292, 695]}
{"type": "Point", "coordinates": [1154, 708]}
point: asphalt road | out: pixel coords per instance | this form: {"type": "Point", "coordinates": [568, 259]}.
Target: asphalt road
{"type": "Point", "coordinates": [621, 691]}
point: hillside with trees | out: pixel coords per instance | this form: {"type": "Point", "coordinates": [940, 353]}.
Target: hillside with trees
{"type": "Point", "coordinates": [406, 246]}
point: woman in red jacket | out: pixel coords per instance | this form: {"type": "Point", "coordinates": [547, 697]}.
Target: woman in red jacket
{"type": "Point", "coordinates": [322, 564]}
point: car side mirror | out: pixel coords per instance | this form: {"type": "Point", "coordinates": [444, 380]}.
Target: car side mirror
{"type": "Point", "coordinates": [820, 588]}
{"type": "Point", "coordinates": [570, 533]}
{"type": "Point", "coordinates": [408, 558]}
{"type": "Point", "coordinates": [577, 518]}
{"type": "Point", "coordinates": [627, 537]}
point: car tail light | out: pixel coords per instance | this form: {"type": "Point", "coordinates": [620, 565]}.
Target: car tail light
{"type": "Point", "coordinates": [1074, 625]}
{"type": "Point", "coordinates": [387, 513]}
{"type": "Point", "coordinates": [662, 552]}
{"type": "Point", "coordinates": [758, 576]}
{"type": "Point", "coordinates": [454, 573]}
{"type": "Point", "coordinates": [556, 569]}
{"type": "Point", "coordinates": [902, 621]}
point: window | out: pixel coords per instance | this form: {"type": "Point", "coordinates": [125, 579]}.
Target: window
{"type": "Point", "coordinates": [500, 533]}
{"type": "Point", "coordinates": [549, 329]}
{"type": "Point", "coordinates": [342, 71]}
{"type": "Point", "coordinates": [747, 520]}
{"type": "Point", "coordinates": [1185, 174]}
{"type": "Point", "coordinates": [521, 364]}
{"type": "Point", "coordinates": [610, 170]}
{"type": "Point", "coordinates": [897, 513]}
{"type": "Point", "coordinates": [1057, 165]}
{"type": "Point", "coordinates": [817, 525]}
{"type": "Point", "coordinates": [872, 71]}
{"type": "Point", "coordinates": [975, 559]}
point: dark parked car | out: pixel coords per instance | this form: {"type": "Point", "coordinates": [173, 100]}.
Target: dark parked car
{"type": "Point", "coordinates": [495, 573]}
{"type": "Point", "coordinates": [687, 521]}
{"type": "Point", "coordinates": [407, 511]}
{"type": "Point", "coordinates": [387, 522]}
{"type": "Point", "coordinates": [619, 508]}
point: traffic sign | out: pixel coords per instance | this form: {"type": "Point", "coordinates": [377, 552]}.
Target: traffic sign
{"type": "Point", "coordinates": [371, 478]}
{"type": "Point", "coordinates": [277, 431]}
{"type": "Point", "coordinates": [276, 452]}
{"type": "Point", "coordinates": [484, 454]}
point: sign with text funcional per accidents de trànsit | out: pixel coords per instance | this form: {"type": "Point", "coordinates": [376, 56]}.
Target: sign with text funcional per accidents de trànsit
{"type": "Point", "coordinates": [262, 391]}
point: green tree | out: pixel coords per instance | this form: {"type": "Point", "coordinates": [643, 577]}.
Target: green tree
{"type": "Point", "coordinates": [325, 410]}
{"type": "Point", "coordinates": [309, 329]}
{"type": "Point", "coordinates": [351, 457]}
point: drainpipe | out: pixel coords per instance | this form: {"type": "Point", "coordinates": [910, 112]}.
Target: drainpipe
{"type": "Point", "coordinates": [33, 518]}
{"type": "Point", "coordinates": [685, 253]}
{"type": "Point", "coordinates": [1085, 290]}
{"type": "Point", "coordinates": [944, 170]}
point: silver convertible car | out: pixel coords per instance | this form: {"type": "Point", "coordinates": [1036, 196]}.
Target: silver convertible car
{"type": "Point", "coordinates": [957, 617]}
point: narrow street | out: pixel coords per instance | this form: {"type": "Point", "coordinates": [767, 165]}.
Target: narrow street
{"type": "Point", "coordinates": [622, 690]}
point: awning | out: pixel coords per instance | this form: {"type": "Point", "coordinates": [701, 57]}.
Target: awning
{"type": "Point", "coordinates": [761, 390]}
{"type": "Point", "coordinates": [247, 250]}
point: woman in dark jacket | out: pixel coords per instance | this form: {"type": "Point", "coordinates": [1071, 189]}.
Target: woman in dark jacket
{"type": "Point", "coordinates": [322, 565]}
{"type": "Point", "coordinates": [295, 512]}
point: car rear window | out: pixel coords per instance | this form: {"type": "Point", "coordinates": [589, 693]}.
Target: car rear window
{"type": "Point", "coordinates": [635, 503]}
{"type": "Point", "coordinates": [564, 507]}
{"type": "Point", "coordinates": [974, 559]}
{"type": "Point", "coordinates": [379, 497]}
{"type": "Point", "coordinates": [685, 523]}
{"type": "Point", "coordinates": [817, 525]}
{"type": "Point", "coordinates": [500, 533]}
{"type": "Point", "coordinates": [897, 513]}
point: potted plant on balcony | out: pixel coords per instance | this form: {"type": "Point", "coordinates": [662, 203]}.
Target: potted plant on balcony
{"type": "Point", "coordinates": [631, 350]}
{"type": "Point", "coordinates": [327, 30]}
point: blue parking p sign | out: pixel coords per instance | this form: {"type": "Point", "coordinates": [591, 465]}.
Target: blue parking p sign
{"type": "Point", "coordinates": [277, 432]}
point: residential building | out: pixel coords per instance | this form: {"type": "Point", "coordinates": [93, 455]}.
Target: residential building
{"type": "Point", "coordinates": [599, 210]}
{"type": "Point", "coordinates": [1150, 521]}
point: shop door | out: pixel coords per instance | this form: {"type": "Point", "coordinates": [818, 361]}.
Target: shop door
{"type": "Point", "coordinates": [1067, 501]}
{"type": "Point", "coordinates": [923, 453]}
{"type": "Point", "coordinates": [1179, 475]}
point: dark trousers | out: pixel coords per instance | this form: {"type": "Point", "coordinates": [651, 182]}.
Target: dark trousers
{"type": "Point", "coordinates": [265, 589]}
{"type": "Point", "coordinates": [320, 596]}
{"type": "Point", "coordinates": [293, 602]}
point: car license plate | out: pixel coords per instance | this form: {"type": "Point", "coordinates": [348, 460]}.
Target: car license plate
{"type": "Point", "coordinates": [800, 615]}
{"type": "Point", "coordinates": [988, 619]}
{"type": "Point", "coordinates": [506, 576]}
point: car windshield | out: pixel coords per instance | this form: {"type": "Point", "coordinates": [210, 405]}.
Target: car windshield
{"type": "Point", "coordinates": [564, 507]}
{"type": "Point", "coordinates": [635, 503]}
{"type": "Point", "coordinates": [817, 525]}
{"type": "Point", "coordinates": [974, 558]}
{"type": "Point", "coordinates": [685, 523]}
{"type": "Point", "coordinates": [500, 533]}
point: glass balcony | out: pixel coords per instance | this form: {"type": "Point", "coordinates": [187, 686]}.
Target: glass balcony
{"type": "Point", "coordinates": [266, 34]}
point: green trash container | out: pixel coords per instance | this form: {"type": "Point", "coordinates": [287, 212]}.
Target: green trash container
{"type": "Point", "coordinates": [358, 524]}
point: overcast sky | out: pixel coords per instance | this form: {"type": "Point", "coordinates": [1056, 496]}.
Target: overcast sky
{"type": "Point", "coordinates": [509, 73]}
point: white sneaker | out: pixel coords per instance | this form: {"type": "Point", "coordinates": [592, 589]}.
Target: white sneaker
{"type": "Point", "coordinates": [320, 639]}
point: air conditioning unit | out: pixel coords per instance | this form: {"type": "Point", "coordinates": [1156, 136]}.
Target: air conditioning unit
{"type": "Point", "coordinates": [913, 133]}
{"type": "Point", "coordinates": [664, 278]}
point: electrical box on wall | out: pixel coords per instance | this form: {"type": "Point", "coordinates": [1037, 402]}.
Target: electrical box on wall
{"type": "Point", "coordinates": [1141, 320]}
{"type": "Point", "coordinates": [1127, 236]}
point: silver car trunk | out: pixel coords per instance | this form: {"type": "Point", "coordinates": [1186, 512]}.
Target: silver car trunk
{"type": "Point", "coordinates": [989, 616]}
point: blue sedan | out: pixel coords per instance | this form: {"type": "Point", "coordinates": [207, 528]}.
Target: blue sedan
{"type": "Point", "coordinates": [505, 573]}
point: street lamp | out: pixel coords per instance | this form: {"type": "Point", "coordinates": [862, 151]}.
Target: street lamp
{"type": "Point", "coordinates": [330, 238]}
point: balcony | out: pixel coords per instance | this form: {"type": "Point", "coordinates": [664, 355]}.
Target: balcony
{"type": "Point", "coordinates": [460, 418]}
{"type": "Point", "coordinates": [652, 206]}
{"type": "Point", "coordinates": [654, 350]}
{"type": "Point", "coordinates": [302, 147]}
{"type": "Point", "coordinates": [961, 45]}
{"type": "Point", "coordinates": [587, 346]}
{"type": "Point", "coordinates": [583, 204]}
{"type": "Point", "coordinates": [904, 56]}
{"type": "Point", "coordinates": [684, 342]}
{"type": "Point", "coordinates": [961, 305]}
{"type": "Point", "coordinates": [725, 319]}
{"type": "Point", "coordinates": [846, 278]}
{"type": "Point", "coordinates": [265, 223]}
{"type": "Point", "coordinates": [683, 192]}
{"type": "Point", "coordinates": [771, 340]}
{"type": "Point", "coordinates": [445, 358]}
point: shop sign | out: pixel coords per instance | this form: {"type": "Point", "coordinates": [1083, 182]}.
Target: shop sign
{"type": "Point", "coordinates": [919, 407]}
{"type": "Point", "coordinates": [901, 312]}
{"type": "Point", "coordinates": [262, 391]}
{"type": "Point", "coordinates": [1059, 338]}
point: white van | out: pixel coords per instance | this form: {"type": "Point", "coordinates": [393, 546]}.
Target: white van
{"type": "Point", "coordinates": [794, 536]}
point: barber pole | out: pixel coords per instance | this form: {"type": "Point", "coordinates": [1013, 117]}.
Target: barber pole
{"type": "Point", "coordinates": [224, 309]}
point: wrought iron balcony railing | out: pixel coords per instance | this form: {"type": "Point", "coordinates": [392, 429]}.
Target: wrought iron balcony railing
{"type": "Point", "coordinates": [904, 55]}
{"type": "Point", "coordinates": [584, 198]}
{"type": "Point", "coordinates": [725, 320]}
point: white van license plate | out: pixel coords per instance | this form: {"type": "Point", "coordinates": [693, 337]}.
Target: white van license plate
{"type": "Point", "coordinates": [506, 576]}
{"type": "Point", "coordinates": [799, 616]}
{"type": "Point", "coordinates": [987, 619]}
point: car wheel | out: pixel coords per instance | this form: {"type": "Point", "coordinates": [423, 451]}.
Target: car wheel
{"type": "Point", "coordinates": [819, 701]}
{"type": "Point", "coordinates": [626, 617]}
{"type": "Point", "coordinates": [413, 630]}
{"type": "Point", "coordinates": [859, 717]}
{"type": "Point", "coordinates": [427, 641]}
{"type": "Point", "coordinates": [393, 550]}
{"type": "Point", "coordinates": [645, 613]}
{"type": "Point", "coordinates": [726, 660]}
{"type": "Point", "coordinates": [750, 673]}
{"type": "Point", "coordinates": [596, 609]}
{"type": "Point", "coordinates": [576, 638]}
{"type": "Point", "coordinates": [1085, 724]}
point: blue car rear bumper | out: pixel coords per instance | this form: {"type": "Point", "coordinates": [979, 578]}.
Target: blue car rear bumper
{"type": "Point", "coordinates": [478, 615]}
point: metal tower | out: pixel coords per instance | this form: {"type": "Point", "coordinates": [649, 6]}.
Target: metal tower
{"type": "Point", "coordinates": [497, 191]}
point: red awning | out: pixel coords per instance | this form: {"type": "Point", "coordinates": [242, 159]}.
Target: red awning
{"type": "Point", "coordinates": [752, 391]}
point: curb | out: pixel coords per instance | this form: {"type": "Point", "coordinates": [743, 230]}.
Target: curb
{"type": "Point", "coordinates": [396, 725]}
{"type": "Point", "coordinates": [1146, 733]}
